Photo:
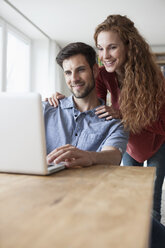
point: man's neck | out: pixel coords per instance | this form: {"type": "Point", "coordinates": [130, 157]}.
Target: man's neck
{"type": "Point", "coordinates": [87, 103]}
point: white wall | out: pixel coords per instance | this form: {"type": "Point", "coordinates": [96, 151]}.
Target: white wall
{"type": "Point", "coordinates": [46, 75]}
{"type": "Point", "coordinates": [39, 66]}
{"type": "Point", "coordinates": [158, 48]}
{"type": "Point", "coordinates": [56, 77]}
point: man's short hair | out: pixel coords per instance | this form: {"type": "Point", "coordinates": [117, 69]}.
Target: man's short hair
{"type": "Point", "coordinates": [77, 48]}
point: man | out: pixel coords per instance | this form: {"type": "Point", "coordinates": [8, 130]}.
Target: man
{"type": "Point", "coordinates": [74, 133]}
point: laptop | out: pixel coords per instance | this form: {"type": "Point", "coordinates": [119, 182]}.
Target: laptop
{"type": "Point", "coordinates": [22, 135]}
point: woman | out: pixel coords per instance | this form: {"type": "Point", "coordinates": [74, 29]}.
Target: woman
{"type": "Point", "coordinates": [137, 88]}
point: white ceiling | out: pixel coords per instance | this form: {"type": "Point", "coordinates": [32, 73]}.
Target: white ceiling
{"type": "Point", "coordinates": [75, 20]}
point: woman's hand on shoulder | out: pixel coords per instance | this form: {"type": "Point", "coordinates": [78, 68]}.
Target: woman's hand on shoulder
{"type": "Point", "coordinates": [54, 99]}
{"type": "Point", "coordinates": [108, 112]}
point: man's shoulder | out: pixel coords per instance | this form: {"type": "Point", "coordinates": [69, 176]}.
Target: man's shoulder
{"type": "Point", "coordinates": [113, 124]}
{"type": "Point", "coordinates": [63, 103]}
{"type": "Point", "coordinates": [47, 107]}
{"type": "Point", "coordinates": [66, 102]}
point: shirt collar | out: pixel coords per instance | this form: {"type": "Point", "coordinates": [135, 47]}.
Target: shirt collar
{"type": "Point", "coordinates": [68, 102]}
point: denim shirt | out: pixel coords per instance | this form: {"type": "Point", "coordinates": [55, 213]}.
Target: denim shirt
{"type": "Point", "coordinates": [84, 130]}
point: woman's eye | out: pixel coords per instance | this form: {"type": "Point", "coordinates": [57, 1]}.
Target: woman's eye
{"type": "Point", "coordinates": [113, 47]}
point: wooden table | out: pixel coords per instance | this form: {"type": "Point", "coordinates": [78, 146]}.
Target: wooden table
{"type": "Point", "coordinates": [94, 207]}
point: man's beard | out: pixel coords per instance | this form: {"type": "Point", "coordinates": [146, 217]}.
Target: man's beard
{"type": "Point", "coordinates": [87, 90]}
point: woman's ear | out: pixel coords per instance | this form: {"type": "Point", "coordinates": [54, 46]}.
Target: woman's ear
{"type": "Point", "coordinates": [95, 70]}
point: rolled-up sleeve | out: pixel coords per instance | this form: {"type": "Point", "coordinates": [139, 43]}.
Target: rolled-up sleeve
{"type": "Point", "coordinates": [117, 138]}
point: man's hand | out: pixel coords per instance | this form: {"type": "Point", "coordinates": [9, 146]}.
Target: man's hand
{"type": "Point", "coordinates": [107, 112]}
{"type": "Point", "coordinates": [72, 156]}
{"type": "Point", "coordinates": [53, 100]}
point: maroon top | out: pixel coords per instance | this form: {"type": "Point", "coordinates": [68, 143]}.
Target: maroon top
{"type": "Point", "coordinates": [143, 145]}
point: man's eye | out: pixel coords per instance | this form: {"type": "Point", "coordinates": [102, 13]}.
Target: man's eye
{"type": "Point", "coordinates": [81, 69]}
{"type": "Point", "coordinates": [67, 73]}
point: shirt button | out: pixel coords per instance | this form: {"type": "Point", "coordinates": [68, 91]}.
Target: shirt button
{"type": "Point", "coordinates": [75, 134]}
{"type": "Point", "coordinates": [75, 115]}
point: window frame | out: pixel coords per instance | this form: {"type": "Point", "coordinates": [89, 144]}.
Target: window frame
{"type": "Point", "coordinates": [6, 27]}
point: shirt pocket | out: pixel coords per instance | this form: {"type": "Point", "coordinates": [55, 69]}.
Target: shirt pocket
{"type": "Point", "coordinates": [90, 141]}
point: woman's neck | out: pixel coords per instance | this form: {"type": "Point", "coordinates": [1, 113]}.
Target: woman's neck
{"type": "Point", "coordinates": [120, 78]}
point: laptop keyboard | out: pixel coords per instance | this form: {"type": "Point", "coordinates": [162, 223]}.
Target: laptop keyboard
{"type": "Point", "coordinates": [56, 167]}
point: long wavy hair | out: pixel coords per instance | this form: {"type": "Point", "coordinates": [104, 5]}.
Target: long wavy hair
{"type": "Point", "coordinates": [143, 88]}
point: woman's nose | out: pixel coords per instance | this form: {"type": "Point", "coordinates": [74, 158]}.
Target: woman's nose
{"type": "Point", "coordinates": [106, 54]}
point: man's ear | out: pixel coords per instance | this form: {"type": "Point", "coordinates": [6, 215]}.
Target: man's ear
{"type": "Point", "coordinates": [95, 70]}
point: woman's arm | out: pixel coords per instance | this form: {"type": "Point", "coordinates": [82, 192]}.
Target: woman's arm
{"type": "Point", "coordinates": [101, 88]}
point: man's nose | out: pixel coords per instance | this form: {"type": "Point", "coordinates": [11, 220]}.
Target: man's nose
{"type": "Point", "coordinates": [75, 77]}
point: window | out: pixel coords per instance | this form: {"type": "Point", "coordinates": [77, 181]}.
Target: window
{"type": "Point", "coordinates": [17, 63]}
{"type": "Point", "coordinates": [14, 59]}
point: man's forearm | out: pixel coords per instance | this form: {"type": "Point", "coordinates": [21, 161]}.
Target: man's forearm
{"type": "Point", "coordinates": [76, 157]}
{"type": "Point", "coordinates": [106, 156]}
